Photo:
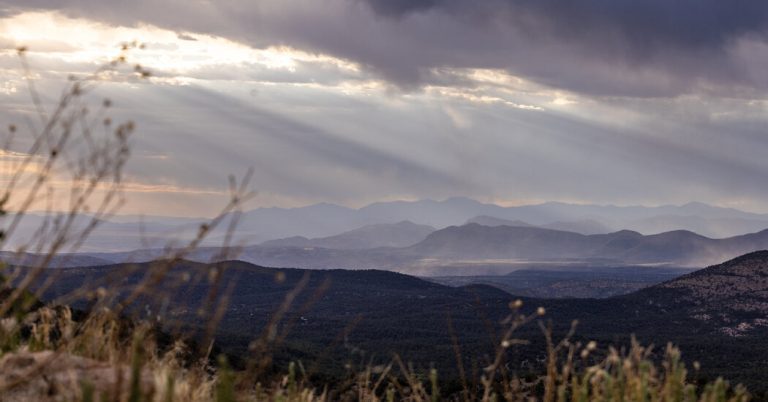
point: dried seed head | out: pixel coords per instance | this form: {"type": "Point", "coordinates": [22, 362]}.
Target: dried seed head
{"type": "Point", "coordinates": [8, 324]}
{"type": "Point", "coordinates": [541, 311]}
{"type": "Point", "coordinates": [516, 305]}
{"type": "Point", "coordinates": [213, 275]}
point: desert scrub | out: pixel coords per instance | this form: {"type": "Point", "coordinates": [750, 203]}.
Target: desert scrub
{"type": "Point", "coordinates": [633, 376]}
{"type": "Point", "coordinates": [109, 359]}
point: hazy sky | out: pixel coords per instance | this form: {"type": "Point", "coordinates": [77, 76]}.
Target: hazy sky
{"type": "Point", "coordinates": [353, 101]}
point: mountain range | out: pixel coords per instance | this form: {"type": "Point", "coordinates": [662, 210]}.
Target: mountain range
{"type": "Point", "coordinates": [125, 233]}
{"type": "Point", "coordinates": [585, 226]}
{"type": "Point", "coordinates": [474, 249]}
{"type": "Point", "coordinates": [401, 234]}
{"type": "Point", "coordinates": [473, 241]}
{"type": "Point", "coordinates": [323, 220]}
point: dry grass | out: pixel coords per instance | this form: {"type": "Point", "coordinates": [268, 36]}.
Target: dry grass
{"type": "Point", "coordinates": [124, 363]}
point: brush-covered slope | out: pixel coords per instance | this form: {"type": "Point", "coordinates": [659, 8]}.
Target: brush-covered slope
{"type": "Point", "coordinates": [731, 297]}
{"type": "Point", "coordinates": [331, 313]}
{"type": "Point", "coordinates": [717, 315]}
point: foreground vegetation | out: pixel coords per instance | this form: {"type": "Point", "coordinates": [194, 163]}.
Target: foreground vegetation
{"type": "Point", "coordinates": [129, 361]}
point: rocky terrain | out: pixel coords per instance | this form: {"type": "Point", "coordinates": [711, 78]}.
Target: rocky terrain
{"type": "Point", "coordinates": [733, 294]}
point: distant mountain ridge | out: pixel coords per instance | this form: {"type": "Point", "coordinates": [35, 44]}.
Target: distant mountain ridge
{"type": "Point", "coordinates": [474, 249]}
{"type": "Point", "coordinates": [324, 220]}
{"type": "Point", "coordinates": [585, 226]}
{"type": "Point", "coordinates": [401, 234]}
{"type": "Point", "coordinates": [327, 220]}
{"type": "Point", "coordinates": [486, 220]}
{"type": "Point", "coordinates": [677, 247]}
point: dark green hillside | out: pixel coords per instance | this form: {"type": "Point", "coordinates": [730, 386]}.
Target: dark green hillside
{"type": "Point", "coordinates": [716, 315]}
{"type": "Point", "coordinates": [571, 281]}
{"type": "Point", "coordinates": [342, 315]}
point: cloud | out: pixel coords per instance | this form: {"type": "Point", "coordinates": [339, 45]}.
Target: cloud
{"type": "Point", "coordinates": [184, 36]}
{"type": "Point", "coordinates": [592, 101]}
{"type": "Point", "coordinates": [686, 24]}
{"type": "Point", "coordinates": [401, 7]}
{"type": "Point", "coordinates": [621, 47]}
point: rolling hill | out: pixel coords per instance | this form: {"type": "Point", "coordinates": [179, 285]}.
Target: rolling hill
{"type": "Point", "coordinates": [125, 233]}
{"type": "Point", "coordinates": [717, 315]}
{"type": "Point", "coordinates": [571, 281]}
{"type": "Point", "coordinates": [474, 249]}
{"type": "Point", "coordinates": [680, 247]}
{"type": "Point", "coordinates": [584, 226]}
{"type": "Point", "coordinates": [732, 297]}
{"type": "Point", "coordinates": [401, 234]}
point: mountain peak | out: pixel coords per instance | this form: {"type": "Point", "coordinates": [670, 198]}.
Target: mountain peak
{"type": "Point", "coordinates": [462, 201]}
{"type": "Point", "coordinates": [487, 220]}
{"type": "Point", "coordinates": [696, 204]}
{"type": "Point", "coordinates": [626, 232]}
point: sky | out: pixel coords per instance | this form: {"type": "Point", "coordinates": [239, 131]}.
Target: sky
{"type": "Point", "coordinates": [356, 101]}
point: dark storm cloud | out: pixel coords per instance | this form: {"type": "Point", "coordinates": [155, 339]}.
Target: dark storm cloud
{"type": "Point", "coordinates": [646, 43]}
{"type": "Point", "coordinates": [603, 47]}
{"type": "Point", "coordinates": [401, 7]}
{"type": "Point", "coordinates": [644, 24]}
